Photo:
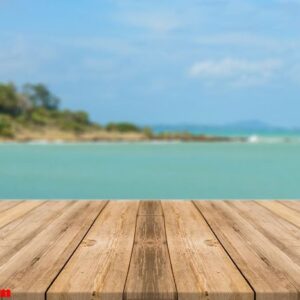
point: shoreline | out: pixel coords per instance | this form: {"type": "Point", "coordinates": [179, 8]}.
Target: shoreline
{"type": "Point", "coordinates": [146, 142]}
{"type": "Point", "coordinates": [55, 136]}
{"type": "Point", "coordinates": [141, 141]}
{"type": "Point", "coordinates": [121, 141]}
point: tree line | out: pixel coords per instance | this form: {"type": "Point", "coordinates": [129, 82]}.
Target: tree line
{"type": "Point", "coordinates": [35, 105]}
{"type": "Point", "coordinates": [31, 96]}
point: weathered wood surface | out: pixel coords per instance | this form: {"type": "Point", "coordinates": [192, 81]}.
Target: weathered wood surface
{"type": "Point", "coordinates": [291, 204]}
{"type": "Point", "coordinates": [99, 267]}
{"type": "Point", "coordinates": [283, 211]}
{"type": "Point", "coordinates": [264, 247]}
{"type": "Point", "coordinates": [29, 266]}
{"type": "Point", "coordinates": [4, 205]}
{"type": "Point", "coordinates": [202, 269]}
{"type": "Point", "coordinates": [13, 212]}
{"type": "Point", "coordinates": [150, 274]}
{"type": "Point", "coordinates": [185, 250]}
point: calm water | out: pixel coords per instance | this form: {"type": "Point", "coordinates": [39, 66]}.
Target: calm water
{"type": "Point", "coordinates": [94, 171]}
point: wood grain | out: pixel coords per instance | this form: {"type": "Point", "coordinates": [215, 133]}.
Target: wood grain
{"type": "Point", "coordinates": [6, 204]}
{"type": "Point", "coordinates": [30, 271]}
{"type": "Point", "coordinates": [243, 232]}
{"type": "Point", "coordinates": [282, 233]}
{"type": "Point", "coordinates": [99, 267]}
{"type": "Point", "coordinates": [201, 267]}
{"type": "Point", "coordinates": [212, 250]}
{"type": "Point", "coordinates": [15, 235]}
{"type": "Point", "coordinates": [150, 274]}
{"type": "Point", "coordinates": [16, 211]}
{"type": "Point", "coordinates": [293, 204]}
{"type": "Point", "coordinates": [152, 208]}
{"type": "Point", "coordinates": [283, 211]}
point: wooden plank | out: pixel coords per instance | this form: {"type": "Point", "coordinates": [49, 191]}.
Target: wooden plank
{"type": "Point", "coordinates": [201, 267]}
{"type": "Point", "coordinates": [263, 240]}
{"type": "Point", "coordinates": [150, 274]}
{"type": "Point", "coordinates": [30, 271]}
{"type": "Point", "coordinates": [293, 204]}
{"type": "Point", "coordinates": [6, 204]}
{"type": "Point", "coordinates": [17, 211]}
{"type": "Point", "coordinates": [269, 270]}
{"type": "Point", "coordinates": [152, 208]}
{"type": "Point", "coordinates": [150, 230]}
{"type": "Point", "coordinates": [283, 235]}
{"type": "Point", "coordinates": [15, 235]}
{"type": "Point", "coordinates": [99, 267]}
{"type": "Point", "coordinates": [282, 211]}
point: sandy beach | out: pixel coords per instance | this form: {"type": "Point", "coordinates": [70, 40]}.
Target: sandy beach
{"type": "Point", "coordinates": [54, 135]}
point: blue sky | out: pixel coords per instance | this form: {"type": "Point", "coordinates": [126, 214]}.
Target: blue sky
{"type": "Point", "coordinates": [158, 61]}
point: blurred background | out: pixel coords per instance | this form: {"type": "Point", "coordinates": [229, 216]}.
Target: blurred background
{"type": "Point", "coordinates": [149, 99]}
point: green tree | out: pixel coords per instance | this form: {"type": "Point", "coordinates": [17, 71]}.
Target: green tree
{"type": "Point", "coordinates": [148, 132]}
{"type": "Point", "coordinates": [81, 117]}
{"type": "Point", "coordinates": [122, 127]}
{"type": "Point", "coordinates": [6, 128]}
{"type": "Point", "coordinates": [9, 99]}
{"type": "Point", "coordinates": [40, 96]}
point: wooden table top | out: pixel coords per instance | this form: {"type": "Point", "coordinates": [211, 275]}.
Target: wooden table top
{"type": "Point", "coordinates": [217, 250]}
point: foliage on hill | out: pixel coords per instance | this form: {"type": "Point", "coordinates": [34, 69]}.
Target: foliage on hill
{"type": "Point", "coordinates": [33, 112]}
{"type": "Point", "coordinates": [35, 106]}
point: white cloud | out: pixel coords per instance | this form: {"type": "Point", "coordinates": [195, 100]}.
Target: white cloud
{"type": "Point", "coordinates": [235, 72]}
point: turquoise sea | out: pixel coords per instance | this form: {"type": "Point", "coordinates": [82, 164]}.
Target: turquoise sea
{"type": "Point", "coordinates": [150, 170]}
